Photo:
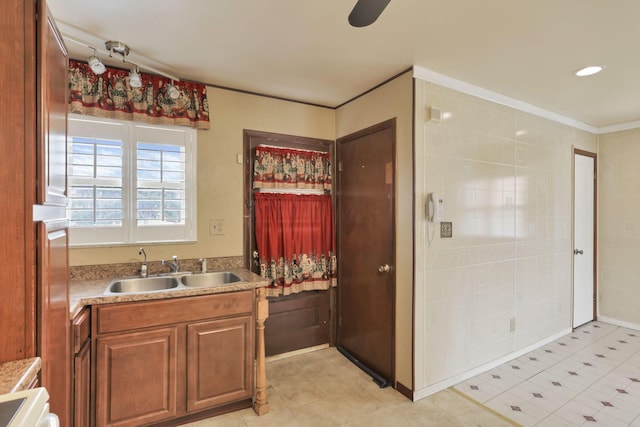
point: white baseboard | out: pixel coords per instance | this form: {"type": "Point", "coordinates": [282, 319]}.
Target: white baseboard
{"type": "Point", "coordinates": [617, 322]}
{"type": "Point", "coordinates": [449, 382]}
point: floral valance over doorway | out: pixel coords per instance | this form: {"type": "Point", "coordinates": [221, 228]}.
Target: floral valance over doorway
{"type": "Point", "coordinates": [110, 95]}
{"type": "Point", "coordinates": [286, 168]}
{"type": "Point", "coordinates": [295, 242]}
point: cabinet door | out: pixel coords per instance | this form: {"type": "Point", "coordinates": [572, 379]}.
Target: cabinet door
{"type": "Point", "coordinates": [52, 114]}
{"type": "Point", "coordinates": [81, 386]}
{"type": "Point", "coordinates": [219, 362]}
{"type": "Point", "coordinates": [136, 377]}
{"type": "Point", "coordinates": [49, 211]}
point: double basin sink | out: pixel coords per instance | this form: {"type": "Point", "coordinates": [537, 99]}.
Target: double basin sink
{"type": "Point", "coordinates": [170, 282]}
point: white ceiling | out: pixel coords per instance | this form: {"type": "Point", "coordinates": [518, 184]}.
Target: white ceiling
{"type": "Point", "coordinates": [305, 50]}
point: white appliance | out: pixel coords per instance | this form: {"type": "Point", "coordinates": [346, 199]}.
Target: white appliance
{"type": "Point", "coordinates": [28, 408]}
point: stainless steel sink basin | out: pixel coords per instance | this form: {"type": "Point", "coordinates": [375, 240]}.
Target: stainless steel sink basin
{"type": "Point", "coordinates": [171, 281]}
{"type": "Point", "coordinates": [217, 278]}
{"type": "Point", "coordinates": [147, 284]}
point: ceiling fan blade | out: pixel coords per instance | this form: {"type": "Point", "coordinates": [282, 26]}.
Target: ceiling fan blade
{"type": "Point", "coordinates": [365, 12]}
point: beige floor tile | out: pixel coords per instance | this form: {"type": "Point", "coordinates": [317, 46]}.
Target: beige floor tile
{"type": "Point", "coordinates": [323, 389]}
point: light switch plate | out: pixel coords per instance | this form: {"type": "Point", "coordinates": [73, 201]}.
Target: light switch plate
{"type": "Point", "coordinates": [446, 229]}
{"type": "Point", "coordinates": [216, 227]}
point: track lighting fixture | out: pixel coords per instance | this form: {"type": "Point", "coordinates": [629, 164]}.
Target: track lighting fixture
{"type": "Point", "coordinates": [119, 48]}
{"type": "Point", "coordinates": [96, 64]}
{"type": "Point", "coordinates": [134, 78]}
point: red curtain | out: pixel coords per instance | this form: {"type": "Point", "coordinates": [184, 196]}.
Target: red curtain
{"type": "Point", "coordinates": [295, 241]}
{"type": "Point", "coordinates": [110, 95]}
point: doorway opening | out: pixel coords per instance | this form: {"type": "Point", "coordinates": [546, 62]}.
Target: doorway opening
{"type": "Point", "coordinates": [584, 237]}
{"type": "Point", "coordinates": [298, 319]}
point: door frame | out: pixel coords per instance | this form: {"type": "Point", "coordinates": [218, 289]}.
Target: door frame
{"type": "Point", "coordinates": [577, 151]}
{"type": "Point", "coordinates": [390, 123]}
{"type": "Point", "coordinates": [251, 139]}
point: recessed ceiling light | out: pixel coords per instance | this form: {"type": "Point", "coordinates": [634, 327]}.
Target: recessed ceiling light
{"type": "Point", "coordinates": [589, 71]}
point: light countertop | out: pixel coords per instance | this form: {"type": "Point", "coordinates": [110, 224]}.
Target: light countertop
{"type": "Point", "coordinates": [18, 375]}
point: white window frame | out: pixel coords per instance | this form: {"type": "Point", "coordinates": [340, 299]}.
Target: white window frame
{"type": "Point", "coordinates": [130, 133]}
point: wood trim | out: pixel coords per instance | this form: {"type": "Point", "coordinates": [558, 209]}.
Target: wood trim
{"type": "Point", "coordinates": [224, 409]}
{"type": "Point", "coordinates": [252, 138]}
{"type": "Point", "coordinates": [376, 87]}
{"type": "Point", "coordinates": [30, 142]}
{"type": "Point", "coordinates": [404, 390]}
{"type": "Point", "coordinates": [594, 156]}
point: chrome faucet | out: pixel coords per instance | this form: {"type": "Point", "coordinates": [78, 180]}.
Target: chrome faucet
{"type": "Point", "coordinates": [143, 268]}
{"type": "Point", "coordinates": [174, 266]}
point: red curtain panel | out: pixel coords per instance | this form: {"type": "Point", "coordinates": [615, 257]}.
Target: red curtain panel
{"type": "Point", "coordinates": [295, 241]}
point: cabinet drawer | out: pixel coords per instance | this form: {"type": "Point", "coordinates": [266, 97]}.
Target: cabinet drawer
{"type": "Point", "coordinates": [81, 326]}
{"type": "Point", "coordinates": [137, 315]}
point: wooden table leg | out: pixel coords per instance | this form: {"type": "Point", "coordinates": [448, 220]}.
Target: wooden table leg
{"type": "Point", "coordinates": [260, 405]}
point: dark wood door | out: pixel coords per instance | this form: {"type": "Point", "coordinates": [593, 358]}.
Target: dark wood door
{"type": "Point", "coordinates": [366, 248]}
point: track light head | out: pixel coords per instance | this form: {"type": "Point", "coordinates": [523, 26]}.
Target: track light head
{"type": "Point", "coordinates": [134, 78]}
{"type": "Point", "coordinates": [96, 64]}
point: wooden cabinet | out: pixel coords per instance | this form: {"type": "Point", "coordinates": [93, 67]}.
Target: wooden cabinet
{"type": "Point", "coordinates": [34, 311]}
{"type": "Point", "coordinates": [166, 359]}
{"type": "Point", "coordinates": [219, 361]}
{"type": "Point", "coordinates": [136, 377]}
{"type": "Point", "coordinates": [49, 212]}
{"type": "Point", "coordinates": [81, 382]}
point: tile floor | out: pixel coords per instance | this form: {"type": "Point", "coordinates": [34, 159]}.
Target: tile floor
{"type": "Point", "coordinates": [323, 388]}
{"type": "Point", "coordinates": [590, 377]}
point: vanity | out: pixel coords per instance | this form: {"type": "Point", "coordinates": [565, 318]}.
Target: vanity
{"type": "Point", "coordinates": [161, 356]}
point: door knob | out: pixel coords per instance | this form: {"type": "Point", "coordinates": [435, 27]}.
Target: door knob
{"type": "Point", "coordinates": [384, 268]}
{"type": "Point", "coordinates": [578, 251]}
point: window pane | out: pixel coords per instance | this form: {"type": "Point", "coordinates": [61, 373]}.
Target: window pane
{"type": "Point", "coordinates": [76, 170]}
{"type": "Point", "coordinates": [95, 206]}
{"type": "Point", "coordinates": [173, 177]}
{"type": "Point", "coordinates": [149, 194]}
{"type": "Point", "coordinates": [109, 193]}
{"type": "Point", "coordinates": [99, 184]}
{"type": "Point", "coordinates": [162, 164]}
{"type": "Point", "coordinates": [174, 194]}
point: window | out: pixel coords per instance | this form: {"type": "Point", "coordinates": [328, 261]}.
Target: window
{"type": "Point", "coordinates": [130, 183]}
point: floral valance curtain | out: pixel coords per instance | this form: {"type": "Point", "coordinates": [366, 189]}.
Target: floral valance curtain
{"type": "Point", "coordinates": [285, 168]}
{"type": "Point", "coordinates": [295, 242]}
{"type": "Point", "coordinates": [110, 95]}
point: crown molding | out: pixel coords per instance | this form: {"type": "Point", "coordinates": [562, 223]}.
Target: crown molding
{"type": "Point", "coordinates": [480, 92]}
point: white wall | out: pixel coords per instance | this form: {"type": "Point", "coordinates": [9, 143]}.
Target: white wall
{"type": "Point", "coordinates": [619, 227]}
{"type": "Point", "coordinates": [506, 179]}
